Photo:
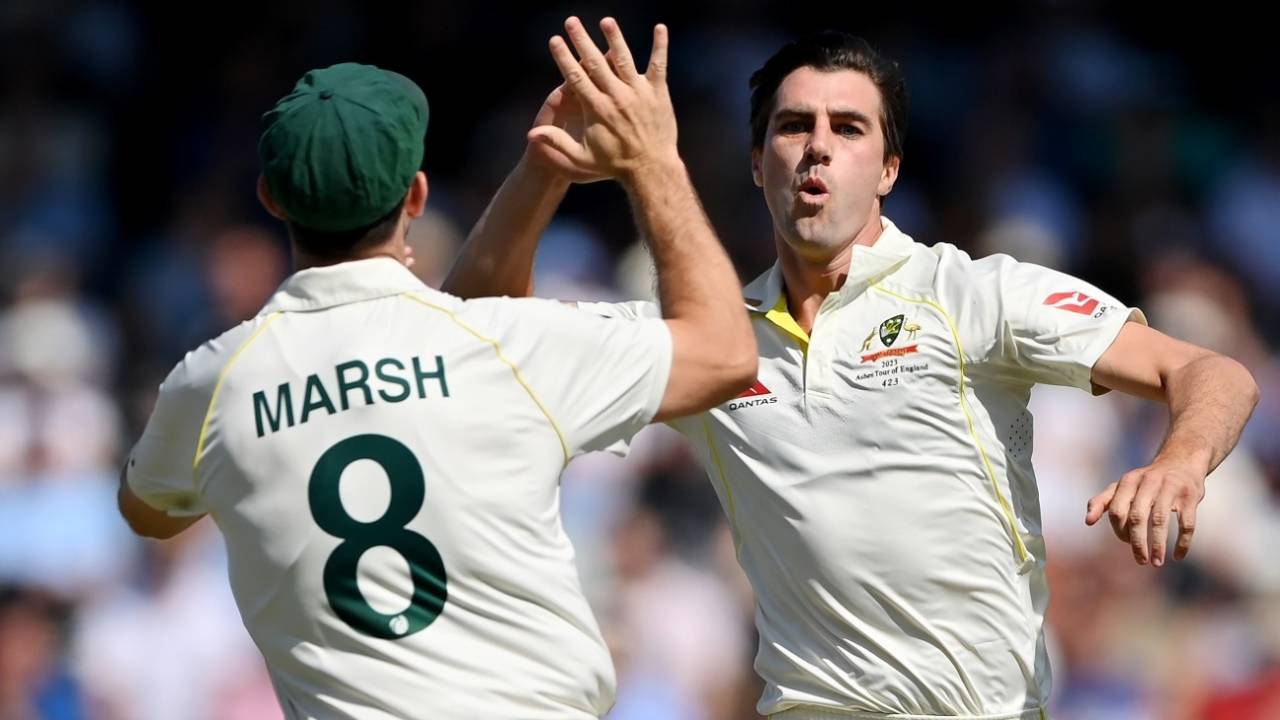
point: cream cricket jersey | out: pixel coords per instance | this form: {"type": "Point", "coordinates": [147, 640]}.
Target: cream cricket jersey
{"type": "Point", "coordinates": [878, 480]}
{"type": "Point", "coordinates": [383, 462]}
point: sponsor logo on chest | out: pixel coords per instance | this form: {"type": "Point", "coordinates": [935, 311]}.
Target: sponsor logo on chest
{"type": "Point", "coordinates": [753, 396]}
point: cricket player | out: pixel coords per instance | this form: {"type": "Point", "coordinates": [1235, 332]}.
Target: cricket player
{"type": "Point", "coordinates": [383, 459]}
{"type": "Point", "coordinates": [877, 477]}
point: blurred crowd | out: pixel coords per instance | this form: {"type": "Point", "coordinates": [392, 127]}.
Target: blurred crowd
{"type": "Point", "coordinates": [1063, 134]}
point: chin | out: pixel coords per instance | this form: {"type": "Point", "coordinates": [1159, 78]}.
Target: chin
{"type": "Point", "coordinates": [809, 242]}
{"type": "Point", "coordinates": [814, 234]}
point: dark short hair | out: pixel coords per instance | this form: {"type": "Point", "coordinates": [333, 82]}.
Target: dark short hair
{"type": "Point", "coordinates": [348, 242]}
{"type": "Point", "coordinates": [827, 51]}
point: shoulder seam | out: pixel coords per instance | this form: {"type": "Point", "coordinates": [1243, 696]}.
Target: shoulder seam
{"type": "Point", "coordinates": [217, 388]}
{"type": "Point", "coordinates": [515, 369]}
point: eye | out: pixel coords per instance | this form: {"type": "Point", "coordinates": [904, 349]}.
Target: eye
{"type": "Point", "coordinates": [791, 126]}
{"type": "Point", "coordinates": [848, 130]}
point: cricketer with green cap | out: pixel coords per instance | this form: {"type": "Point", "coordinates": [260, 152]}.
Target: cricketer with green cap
{"type": "Point", "coordinates": [383, 459]}
{"type": "Point", "coordinates": [340, 152]}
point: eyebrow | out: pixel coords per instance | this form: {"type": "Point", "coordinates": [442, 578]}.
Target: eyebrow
{"type": "Point", "coordinates": [839, 113]}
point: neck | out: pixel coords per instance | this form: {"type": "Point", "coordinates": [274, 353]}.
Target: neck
{"type": "Point", "coordinates": [393, 247]}
{"type": "Point", "coordinates": [809, 279]}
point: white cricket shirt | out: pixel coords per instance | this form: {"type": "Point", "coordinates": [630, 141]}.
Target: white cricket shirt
{"type": "Point", "coordinates": [878, 480]}
{"type": "Point", "coordinates": [383, 462]}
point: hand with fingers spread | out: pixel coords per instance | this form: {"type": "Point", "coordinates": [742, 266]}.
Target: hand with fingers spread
{"type": "Point", "coordinates": [1141, 506]}
{"type": "Point", "coordinates": [627, 119]}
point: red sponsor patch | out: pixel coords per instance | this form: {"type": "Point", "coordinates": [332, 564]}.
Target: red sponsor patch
{"type": "Point", "coordinates": [891, 352]}
{"type": "Point", "coordinates": [757, 389]}
{"type": "Point", "coordinates": [1076, 302]}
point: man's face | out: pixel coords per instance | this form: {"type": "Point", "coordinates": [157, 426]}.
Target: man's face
{"type": "Point", "coordinates": [822, 165]}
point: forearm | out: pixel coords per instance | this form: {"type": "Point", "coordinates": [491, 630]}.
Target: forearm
{"type": "Point", "coordinates": [1210, 400]}
{"type": "Point", "coordinates": [713, 348]}
{"type": "Point", "coordinates": [694, 273]}
{"type": "Point", "coordinates": [497, 258]}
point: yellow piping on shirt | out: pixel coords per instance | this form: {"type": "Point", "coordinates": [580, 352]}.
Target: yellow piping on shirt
{"type": "Point", "coordinates": [217, 388]}
{"type": "Point", "coordinates": [973, 433]}
{"type": "Point", "coordinates": [497, 349]}
{"type": "Point", "coordinates": [779, 315]}
{"type": "Point", "coordinates": [724, 483]}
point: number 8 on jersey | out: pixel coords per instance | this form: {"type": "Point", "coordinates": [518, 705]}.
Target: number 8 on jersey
{"type": "Point", "coordinates": [408, 490]}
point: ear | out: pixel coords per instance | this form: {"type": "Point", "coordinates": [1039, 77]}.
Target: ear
{"type": "Point", "coordinates": [888, 176]}
{"type": "Point", "coordinates": [416, 201]}
{"type": "Point", "coordinates": [268, 202]}
{"type": "Point", "coordinates": [757, 173]}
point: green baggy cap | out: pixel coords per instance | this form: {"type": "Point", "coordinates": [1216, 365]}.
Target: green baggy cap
{"type": "Point", "coordinates": [340, 151]}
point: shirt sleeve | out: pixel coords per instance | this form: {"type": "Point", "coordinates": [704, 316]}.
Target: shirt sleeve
{"type": "Point", "coordinates": [633, 310]}
{"type": "Point", "coordinates": [161, 469]}
{"type": "Point", "coordinates": [1054, 326]}
{"type": "Point", "coordinates": [601, 379]}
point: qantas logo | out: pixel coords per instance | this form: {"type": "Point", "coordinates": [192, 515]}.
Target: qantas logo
{"type": "Point", "coordinates": [757, 394]}
{"type": "Point", "coordinates": [1076, 302]}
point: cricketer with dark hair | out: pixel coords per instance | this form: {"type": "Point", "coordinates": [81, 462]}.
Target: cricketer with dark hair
{"type": "Point", "coordinates": [877, 477]}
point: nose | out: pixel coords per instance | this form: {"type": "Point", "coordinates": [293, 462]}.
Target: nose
{"type": "Point", "coordinates": [818, 149]}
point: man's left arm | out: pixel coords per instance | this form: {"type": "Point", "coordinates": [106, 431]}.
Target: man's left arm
{"type": "Point", "coordinates": [1210, 398]}
{"type": "Point", "coordinates": [159, 493]}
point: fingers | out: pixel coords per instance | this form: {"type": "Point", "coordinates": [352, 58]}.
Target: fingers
{"type": "Point", "coordinates": [550, 107]}
{"type": "Point", "coordinates": [561, 142]}
{"type": "Point", "coordinates": [593, 61]}
{"type": "Point", "coordinates": [1161, 514]}
{"type": "Point", "coordinates": [1098, 504]}
{"type": "Point", "coordinates": [1186, 507]}
{"type": "Point", "coordinates": [619, 54]}
{"type": "Point", "coordinates": [556, 99]}
{"type": "Point", "coordinates": [605, 71]}
{"type": "Point", "coordinates": [574, 76]}
{"type": "Point", "coordinates": [1118, 512]}
{"type": "Point", "coordinates": [657, 70]}
{"type": "Point", "coordinates": [560, 108]}
{"type": "Point", "coordinates": [1141, 508]}
{"type": "Point", "coordinates": [1139, 513]}
{"type": "Point", "coordinates": [625, 119]}
{"type": "Point", "coordinates": [567, 100]}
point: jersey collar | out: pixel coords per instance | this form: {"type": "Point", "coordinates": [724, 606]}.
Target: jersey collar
{"type": "Point", "coordinates": [321, 287]}
{"type": "Point", "coordinates": [870, 264]}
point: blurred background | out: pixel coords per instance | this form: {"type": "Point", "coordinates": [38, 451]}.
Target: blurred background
{"type": "Point", "coordinates": [1138, 151]}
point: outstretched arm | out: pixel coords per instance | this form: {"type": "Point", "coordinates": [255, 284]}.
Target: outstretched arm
{"type": "Point", "coordinates": [1210, 399]}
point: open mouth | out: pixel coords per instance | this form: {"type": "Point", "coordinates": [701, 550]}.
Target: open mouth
{"type": "Point", "coordinates": [813, 187]}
